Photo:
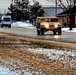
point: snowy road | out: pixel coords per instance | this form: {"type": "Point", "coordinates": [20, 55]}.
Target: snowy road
{"type": "Point", "coordinates": [65, 37]}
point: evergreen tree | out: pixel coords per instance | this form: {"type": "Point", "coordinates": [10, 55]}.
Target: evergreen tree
{"type": "Point", "coordinates": [36, 10]}
{"type": "Point", "coordinates": [20, 10]}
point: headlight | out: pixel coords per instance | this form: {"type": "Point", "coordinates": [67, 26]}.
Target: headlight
{"type": "Point", "coordinates": [56, 26]}
{"type": "Point", "coordinates": [47, 26]}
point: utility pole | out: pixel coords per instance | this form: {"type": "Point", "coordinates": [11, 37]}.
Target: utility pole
{"type": "Point", "coordinates": [55, 7]}
{"type": "Point", "coordinates": [12, 8]}
{"type": "Point", "coordinates": [70, 4]}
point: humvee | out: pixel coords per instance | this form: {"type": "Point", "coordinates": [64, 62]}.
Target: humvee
{"type": "Point", "coordinates": [44, 24]}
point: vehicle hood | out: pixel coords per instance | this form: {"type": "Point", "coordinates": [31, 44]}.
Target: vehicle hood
{"type": "Point", "coordinates": [50, 23]}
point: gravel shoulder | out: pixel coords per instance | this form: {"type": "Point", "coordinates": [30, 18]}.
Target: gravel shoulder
{"type": "Point", "coordinates": [15, 54]}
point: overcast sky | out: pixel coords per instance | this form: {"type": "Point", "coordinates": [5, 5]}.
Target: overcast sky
{"type": "Point", "coordinates": [4, 4]}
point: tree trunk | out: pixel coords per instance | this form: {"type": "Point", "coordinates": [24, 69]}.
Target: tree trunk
{"type": "Point", "coordinates": [72, 21]}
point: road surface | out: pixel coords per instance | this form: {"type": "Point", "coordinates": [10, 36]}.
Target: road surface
{"type": "Point", "coordinates": [31, 33]}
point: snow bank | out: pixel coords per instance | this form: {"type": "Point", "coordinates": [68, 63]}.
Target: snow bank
{"type": "Point", "coordinates": [29, 25]}
{"type": "Point", "coordinates": [22, 24]}
{"type": "Point", "coordinates": [7, 71]}
{"type": "Point", "coordinates": [67, 30]}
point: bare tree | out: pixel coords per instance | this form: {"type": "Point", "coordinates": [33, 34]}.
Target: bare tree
{"type": "Point", "coordinates": [64, 4]}
{"type": "Point", "coordinates": [67, 5]}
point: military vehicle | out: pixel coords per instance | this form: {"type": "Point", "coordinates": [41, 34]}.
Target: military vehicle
{"type": "Point", "coordinates": [47, 23]}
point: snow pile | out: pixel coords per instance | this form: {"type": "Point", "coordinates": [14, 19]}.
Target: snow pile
{"type": "Point", "coordinates": [67, 30]}
{"type": "Point", "coordinates": [22, 24]}
{"type": "Point", "coordinates": [7, 71]}
{"type": "Point", "coordinates": [29, 25]}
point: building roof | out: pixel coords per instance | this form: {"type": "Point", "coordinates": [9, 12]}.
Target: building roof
{"type": "Point", "coordinates": [50, 11]}
{"type": "Point", "coordinates": [67, 12]}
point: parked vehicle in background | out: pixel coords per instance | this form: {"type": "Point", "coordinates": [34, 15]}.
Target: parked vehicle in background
{"type": "Point", "coordinates": [6, 21]}
{"type": "Point", "coordinates": [48, 23]}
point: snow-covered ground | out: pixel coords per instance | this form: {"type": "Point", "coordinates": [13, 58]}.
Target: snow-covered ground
{"type": "Point", "coordinates": [57, 55]}
{"type": "Point", "coordinates": [65, 56]}
{"type": "Point", "coordinates": [12, 69]}
{"type": "Point", "coordinates": [22, 24]}
{"type": "Point", "coordinates": [7, 71]}
{"type": "Point", "coordinates": [29, 25]}
{"type": "Point", "coordinates": [67, 30]}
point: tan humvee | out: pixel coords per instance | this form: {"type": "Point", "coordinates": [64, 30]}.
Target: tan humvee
{"type": "Point", "coordinates": [48, 23]}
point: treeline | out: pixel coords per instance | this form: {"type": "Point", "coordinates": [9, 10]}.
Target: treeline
{"type": "Point", "coordinates": [22, 10]}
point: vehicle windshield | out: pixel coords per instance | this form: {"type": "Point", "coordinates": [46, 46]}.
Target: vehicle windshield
{"type": "Point", "coordinates": [45, 20]}
{"type": "Point", "coordinates": [53, 20]}
{"type": "Point", "coordinates": [6, 19]}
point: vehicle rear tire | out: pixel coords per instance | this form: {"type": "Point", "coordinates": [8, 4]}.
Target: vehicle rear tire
{"type": "Point", "coordinates": [42, 31]}
{"type": "Point", "coordinates": [59, 31]}
{"type": "Point", "coordinates": [9, 26]}
{"type": "Point", "coordinates": [38, 32]}
{"type": "Point", "coordinates": [1, 26]}
{"type": "Point", "coordinates": [54, 32]}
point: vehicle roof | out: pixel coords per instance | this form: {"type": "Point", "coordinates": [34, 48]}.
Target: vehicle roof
{"type": "Point", "coordinates": [6, 16]}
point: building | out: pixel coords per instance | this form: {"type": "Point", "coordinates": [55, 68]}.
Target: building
{"type": "Point", "coordinates": [51, 11]}
{"type": "Point", "coordinates": [64, 16]}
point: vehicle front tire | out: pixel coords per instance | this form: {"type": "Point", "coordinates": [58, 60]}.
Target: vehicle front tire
{"type": "Point", "coordinates": [54, 32]}
{"type": "Point", "coordinates": [9, 26]}
{"type": "Point", "coordinates": [42, 31]}
{"type": "Point", "coordinates": [38, 32]}
{"type": "Point", "coordinates": [59, 31]}
{"type": "Point", "coordinates": [1, 26]}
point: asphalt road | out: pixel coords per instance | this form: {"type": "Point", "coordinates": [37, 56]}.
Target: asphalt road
{"type": "Point", "coordinates": [31, 33]}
